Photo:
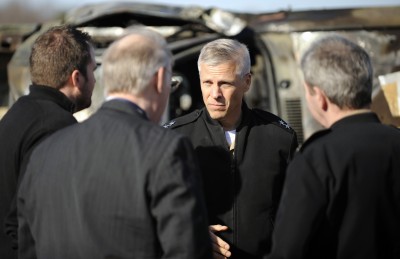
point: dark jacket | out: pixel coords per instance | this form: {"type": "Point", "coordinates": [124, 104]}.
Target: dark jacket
{"type": "Point", "coordinates": [341, 197]}
{"type": "Point", "coordinates": [243, 187]}
{"type": "Point", "coordinates": [113, 186]}
{"type": "Point", "coordinates": [33, 117]}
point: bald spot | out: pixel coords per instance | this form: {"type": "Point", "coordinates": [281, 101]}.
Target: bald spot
{"type": "Point", "coordinates": [136, 41]}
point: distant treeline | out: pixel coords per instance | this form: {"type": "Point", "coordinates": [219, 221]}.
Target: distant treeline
{"type": "Point", "coordinates": [19, 11]}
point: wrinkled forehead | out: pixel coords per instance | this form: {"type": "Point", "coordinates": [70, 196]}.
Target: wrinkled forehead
{"type": "Point", "coordinates": [230, 67]}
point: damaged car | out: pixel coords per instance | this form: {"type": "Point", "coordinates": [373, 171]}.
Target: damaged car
{"type": "Point", "coordinates": [275, 41]}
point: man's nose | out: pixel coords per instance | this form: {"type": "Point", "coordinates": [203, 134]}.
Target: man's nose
{"type": "Point", "coordinates": [215, 91]}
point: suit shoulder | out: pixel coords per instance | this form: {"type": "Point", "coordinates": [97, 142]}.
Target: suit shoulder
{"type": "Point", "coordinates": [273, 119]}
{"type": "Point", "coordinates": [394, 127]}
{"type": "Point", "coordinates": [313, 138]}
{"type": "Point", "coordinates": [183, 120]}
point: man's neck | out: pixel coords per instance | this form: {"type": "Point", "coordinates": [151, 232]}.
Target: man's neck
{"type": "Point", "coordinates": [345, 113]}
{"type": "Point", "coordinates": [232, 126]}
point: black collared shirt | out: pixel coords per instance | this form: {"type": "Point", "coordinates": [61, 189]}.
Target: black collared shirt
{"type": "Point", "coordinates": [243, 187]}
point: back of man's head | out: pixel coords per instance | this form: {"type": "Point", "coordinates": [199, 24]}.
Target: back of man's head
{"type": "Point", "coordinates": [341, 69]}
{"type": "Point", "coordinates": [57, 53]}
{"type": "Point", "coordinates": [130, 63]}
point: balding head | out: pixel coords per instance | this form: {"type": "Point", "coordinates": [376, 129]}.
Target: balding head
{"type": "Point", "coordinates": [130, 62]}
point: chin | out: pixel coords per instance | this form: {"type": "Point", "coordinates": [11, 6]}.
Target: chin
{"type": "Point", "coordinates": [215, 115]}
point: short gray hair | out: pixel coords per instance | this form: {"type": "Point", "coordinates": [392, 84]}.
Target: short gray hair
{"type": "Point", "coordinates": [128, 68]}
{"type": "Point", "coordinates": [226, 50]}
{"type": "Point", "coordinates": [341, 69]}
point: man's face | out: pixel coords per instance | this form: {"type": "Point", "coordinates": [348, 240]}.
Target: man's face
{"type": "Point", "coordinates": [223, 92]}
{"type": "Point", "coordinates": [84, 100]}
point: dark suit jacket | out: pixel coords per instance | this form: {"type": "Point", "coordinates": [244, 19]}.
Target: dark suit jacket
{"type": "Point", "coordinates": [341, 198]}
{"type": "Point", "coordinates": [32, 118]}
{"type": "Point", "coordinates": [114, 186]}
{"type": "Point", "coordinates": [242, 187]}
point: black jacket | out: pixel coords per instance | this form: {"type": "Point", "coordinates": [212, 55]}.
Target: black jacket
{"type": "Point", "coordinates": [341, 197]}
{"type": "Point", "coordinates": [243, 187]}
{"type": "Point", "coordinates": [32, 118]}
{"type": "Point", "coordinates": [113, 186]}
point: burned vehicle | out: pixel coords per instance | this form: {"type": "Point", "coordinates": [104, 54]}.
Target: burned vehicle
{"type": "Point", "coordinates": [11, 36]}
{"type": "Point", "coordinates": [275, 40]}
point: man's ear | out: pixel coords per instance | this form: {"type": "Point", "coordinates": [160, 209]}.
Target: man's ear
{"type": "Point", "coordinates": [76, 79]}
{"type": "Point", "coordinates": [321, 98]}
{"type": "Point", "coordinates": [73, 85]}
{"type": "Point", "coordinates": [160, 75]}
{"type": "Point", "coordinates": [247, 81]}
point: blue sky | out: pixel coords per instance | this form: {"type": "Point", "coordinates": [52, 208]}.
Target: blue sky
{"type": "Point", "coordinates": [254, 6]}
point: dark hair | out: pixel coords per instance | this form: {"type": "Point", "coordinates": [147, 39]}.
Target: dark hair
{"type": "Point", "coordinates": [57, 53]}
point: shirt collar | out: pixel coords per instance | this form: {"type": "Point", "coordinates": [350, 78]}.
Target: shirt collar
{"type": "Point", "coordinates": [356, 118]}
{"type": "Point", "coordinates": [52, 94]}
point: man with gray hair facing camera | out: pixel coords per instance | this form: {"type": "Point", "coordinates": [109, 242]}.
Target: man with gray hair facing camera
{"type": "Point", "coordinates": [243, 153]}
{"type": "Point", "coordinates": [117, 185]}
{"type": "Point", "coordinates": [341, 197]}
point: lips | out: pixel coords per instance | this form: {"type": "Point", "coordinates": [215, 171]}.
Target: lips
{"type": "Point", "coordinates": [216, 106]}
